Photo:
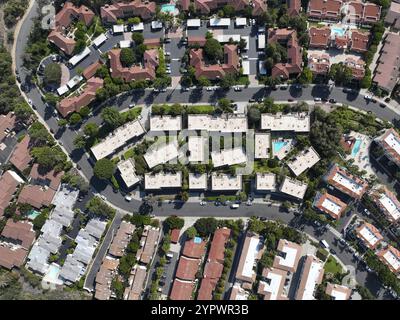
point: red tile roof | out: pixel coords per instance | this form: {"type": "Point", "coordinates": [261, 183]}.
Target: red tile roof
{"type": "Point", "coordinates": [182, 290]}
{"type": "Point", "coordinates": [112, 12]}
{"type": "Point", "coordinates": [206, 6]}
{"type": "Point", "coordinates": [36, 196]}
{"type": "Point", "coordinates": [21, 157]}
{"type": "Point", "coordinates": [217, 249]}
{"type": "Point", "coordinates": [215, 71]}
{"type": "Point", "coordinates": [319, 37]}
{"type": "Point", "coordinates": [11, 257]}
{"type": "Point", "coordinates": [294, 7]}
{"type": "Point", "coordinates": [175, 235]}
{"type": "Point", "coordinates": [187, 268]}
{"type": "Point", "coordinates": [319, 200]}
{"type": "Point", "coordinates": [294, 53]}
{"type": "Point", "coordinates": [259, 7]}
{"type": "Point", "coordinates": [135, 72]}
{"type": "Point", "coordinates": [390, 150]}
{"type": "Point", "coordinates": [50, 178]}
{"type": "Point", "coordinates": [201, 40]}
{"type": "Point", "coordinates": [359, 41]}
{"type": "Point", "coordinates": [395, 253]}
{"type": "Point", "coordinates": [373, 230]}
{"type": "Point", "coordinates": [90, 71]}
{"type": "Point", "coordinates": [63, 42]}
{"type": "Point", "coordinates": [319, 63]}
{"type": "Point", "coordinates": [7, 122]}
{"type": "Point", "coordinates": [20, 232]}
{"type": "Point", "coordinates": [194, 250]}
{"type": "Point", "coordinates": [357, 67]}
{"type": "Point", "coordinates": [324, 9]}
{"type": "Point", "coordinates": [76, 103]}
{"type": "Point", "coordinates": [207, 288]}
{"type": "Point", "coordinates": [8, 186]}
{"type": "Point", "coordinates": [69, 12]}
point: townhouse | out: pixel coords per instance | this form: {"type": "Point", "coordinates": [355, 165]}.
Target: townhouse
{"type": "Point", "coordinates": [312, 274]}
{"type": "Point", "coordinates": [390, 143]}
{"type": "Point", "coordinates": [329, 204]}
{"type": "Point", "coordinates": [369, 235]}
{"type": "Point", "coordinates": [110, 13]}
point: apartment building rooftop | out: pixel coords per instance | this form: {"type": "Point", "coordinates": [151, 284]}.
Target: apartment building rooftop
{"type": "Point", "coordinates": [165, 123]}
{"type": "Point", "coordinates": [272, 289]}
{"type": "Point", "coordinates": [252, 251]}
{"type": "Point", "coordinates": [7, 124]}
{"type": "Point", "coordinates": [262, 145]}
{"type": "Point", "coordinates": [319, 37]}
{"type": "Point", "coordinates": [121, 239]}
{"type": "Point", "coordinates": [187, 268]}
{"type": "Point", "coordinates": [369, 234]}
{"type": "Point", "coordinates": [388, 203]}
{"type": "Point", "coordinates": [390, 142]}
{"type": "Point", "coordinates": [194, 248]}
{"type": "Point", "coordinates": [226, 182]}
{"type": "Point", "coordinates": [288, 256]}
{"type": "Point", "coordinates": [110, 13]}
{"type": "Point", "coordinates": [21, 158]}
{"type": "Point", "coordinates": [162, 180]}
{"type": "Point", "coordinates": [197, 147]}
{"type": "Point", "coordinates": [311, 276]}
{"type": "Point", "coordinates": [238, 293]}
{"type": "Point", "coordinates": [51, 179]}
{"type": "Point", "coordinates": [104, 278]}
{"type": "Point", "coordinates": [228, 157]}
{"type": "Point", "coordinates": [344, 181]}
{"type": "Point", "coordinates": [324, 9]}
{"type": "Point", "coordinates": [20, 233]}
{"type": "Point", "coordinates": [181, 290]}
{"type": "Point", "coordinates": [391, 257]}
{"type": "Point", "coordinates": [265, 181]}
{"type": "Point", "coordinates": [117, 139]}
{"type": "Point", "coordinates": [9, 182]}
{"type": "Point", "coordinates": [75, 103]}
{"type": "Point", "coordinates": [11, 256]}
{"type": "Point", "coordinates": [338, 292]}
{"type": "Point", "coordinates": [128, 173]}
{"type": "Point", "coordinates": [294, 188]}
{"type": "Point", "coordinates": [329, 204]}
{"type": "Point", "coordinates": [198, 181]}
{"type": "Point", "coordinates": [226, 123]}
{"type": "Point", "coordinates": [136, 283]}
{"type": "Point", "coordinates": [161, 153]}
{"type": "Point", "coordinates": [319, 63]}
{"type": "Point", "coordinates": [388, 65]}
{"type": "Point", "coordinates": [392, 17]}
{"type": "Point", "coordinates": [297, 122]}
{"type": "Point", "coordinates": [304, 161]}
{"type": "Point", "coordinates": [150, 236]}
{"type": "Point", "coordinates": [36, 196]}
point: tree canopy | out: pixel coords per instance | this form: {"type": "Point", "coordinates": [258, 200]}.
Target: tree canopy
{"type": "Point", "coordinates": [104, 169]}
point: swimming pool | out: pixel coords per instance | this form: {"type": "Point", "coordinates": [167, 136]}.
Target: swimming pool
{"type": "Point", "coordinates": [278, 145]}
{"type": "Point", "coordinates": [168, 8]}
{"type": "Point", "coordinates": [338, 31]}
{"type": "Point", "coordinates": [356, 147]}
{"type": "Point", "coordinates": [197, 240]}
{"type": "Point", "coordinates": [32, 214]}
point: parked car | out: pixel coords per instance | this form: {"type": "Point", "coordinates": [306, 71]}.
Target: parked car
{"type": "Point", "coordinates": [317, 99]}
{"type": "Point", "coordinates": [332, 251]}
{"type": "Point", "coordinates": [252, 100]}
{"type": "Point", "coordinates": [128, 198]}
{"type": "Point", "coordinates": [366, 212]}
{"type": "Point", "coordinates": [235, 206]}
{"type": "Point", "coordinates": [245, 57]}
{"type": "Point", "coordinates": [209, 89]}
{"type": "Point", "coordinates": [368, 97]}
{"type": "Point", "coordinates": [283, 87]}
{"type": "Point", "coordinates": [217, 203]}
{"type": "Point", "coordinates": [203, 203]}
{"type": "Point", "coordinates": [332, 100]}
{"type": "Point", "coordinates": [168, 71]}
{"type": "Point", "coordinates": [132, 105]}
{"type": "Point", "coordinates": [290, 100]}
{"type": "Point", "coordinates": [382, 105]}
{"type": "Point", "coordinates": [102, 197]}
{"type": "Point", "coordinates": [237, 89]}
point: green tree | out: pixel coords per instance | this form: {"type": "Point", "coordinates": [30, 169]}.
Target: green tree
{"type": "Point", "coordinates": [39, 221]}
{"type": "Point", "coordinates": [84, 112]}
{"type": "Point", "coordinates": [104, 169]}
{"type": "Point", "coordinates": [254, 115]}
{"type": "Point", "coordinates": [174, 222]}
{"type": "Point", "coordinates": [112, 117]}
{"type": "Point", "coordinates": [306, 76]}
{"type": "Point", "coordinates": [191, 232]}
{"type": "Point", "coordinates": [75, 118]}
{"type": "Point", "coordinates": [213, 50]}
{"type": "Point", "coordinates": [91, 130]}
{"type": "Point", "coordinates": [203, 81]}
{"type": "Point", "coordinates": [340, 73]}
{"type": "Point", "coordinates": [39, 134]}
{"type": "Point", "coordinates": [100, 208]}
{"type": "Point", "coordinates": [79, 142]}
{"type": "Point", "coordinates": [127, 57]}
{"type": "Point", "coordinates": [23, 112]}
{"type": "Point", "coordinates": [206, 226]}
{"type": "Point", "coordinates": [137, 38]}
{"type": "Point", "coordinates": [229, 10]}
{"type": "Point", "coordinates": [52, 74]}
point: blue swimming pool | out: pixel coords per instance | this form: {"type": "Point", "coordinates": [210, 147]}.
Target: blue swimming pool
{"type": "Point", "coordinates": [356, 147]}
{"type": "Point", "coordinates": [32, 214]}
{"type": "Point", "coordinates": [278, 145]}
{"type": "Point", "coordinates": [168, 8]}
{"type": "Point", "coordinates": [197, 240]}
{"type": "Point", "coordinates": [339, 31]}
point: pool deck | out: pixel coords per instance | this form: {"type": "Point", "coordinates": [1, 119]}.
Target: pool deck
{"type": "Point", "coordinates": [283, 151]}
{"type": "Point", "coordinates": [361, 159]}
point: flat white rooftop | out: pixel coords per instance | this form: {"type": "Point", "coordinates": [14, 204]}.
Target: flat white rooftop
{"type": "Point", "coordinates": [118, 28]}
{"type": "Point", "coordinates": [303, 161]}
{"type": "Point", "coordinates": [127, 171]}
{"type": "Point", "coordinates": [393, 143]}
{"type": "Point", "coordinates": [193, 23]}
{"type": "Point", "coordinates": [62, 90]}
{"type": "Point", "coordinates": [228, 157]}
{"type": "Point", "coordinates": [161, 153]}
{"type": "Point", "coordinates": [165, 123]}
{"type": "Point", "coordinates": [390, 207]}
{"type": "Point", "coordinates": [339, 292]}
{"type": "Point", "coordinates": [74, 81]}
{"type": "Point", "coordinates": [240, 22]}
{"type": "Point", "coordinates": [251, 255]}
{"type": "Point", "coordinates": [273, 287]}
{"type": "Point", "coordinates": [100, 40]}
{"type": "Point", "coordinates": [225, 38]}
{"type": "Point", "coordinates": [293, 187]}
{"type": "Point", "coordinates": [368, 235]}
{"type": "Point", "coordinates": [266, 181]}
{"type": "Point", "coordinates": [262, 145]}
{"type": "Point", "coordinates": [197, 146]}
{"type": "Point", "coordinates": [331, 206]}
{"type": "Point", "coordinates": [220, 22]}
{"type": "Point", "coordinates": [348, 183]}
{"type": "Point", "coordinates": [221, 124]}
{"type": "Point", "coordinates": [289, 260]}
{"type": "Point", "coordinates": [225, 182]}
{"type": "Point", "coordinates": [297, 122]}
{"type": "Point", "coordinates": [313, 274]}
{"type": "Point", "coordinates": [156, 25]}
{"type": "Point", "coordinates": [117, 139]}
{"type": "Point", "coordinates": [246, 67]}
{"type": "Point", "coordinates": [162, 180]}
{"type": "Point", "coordinates": [125, 44]}
{"type": "Point", "coordinates": [197, 181]}
{"type": "Point", "coordinates": [392, 260]}
{"type": "Point", "coordinates": [138, 27]}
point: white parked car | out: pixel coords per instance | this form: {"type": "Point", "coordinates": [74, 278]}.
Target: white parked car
{"type": "Point", "coordinates": [317, 99]}
{"type": "Point", "coordinates": [30, 102]}
{"type": "Point", "coordinates": [168, 71]}
{"type": "Point", "coordinates": [128, 198]}
{"type": "Point", "coordinates": [368, 97]}
{"type": "Point", "coordinates": [245, 57]}
{"type": "Point", "coordinates": [209, 89]}
{"type": "Point", "coordinates": [102, 197]}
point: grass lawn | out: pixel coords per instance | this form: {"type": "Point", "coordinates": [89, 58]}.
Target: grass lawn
{"type": "Point", "coordinates": [332, 266]}
{"type": "Point", "coordinates": [128, 154]}
{"type": "Point", "coordinates": [203, 109]}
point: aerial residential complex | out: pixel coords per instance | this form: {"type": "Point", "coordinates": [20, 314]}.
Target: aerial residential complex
{"type": "Point", "coordinates": [201, 150]}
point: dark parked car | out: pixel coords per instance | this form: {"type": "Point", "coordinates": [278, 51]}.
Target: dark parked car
{"type": "Point", "coordinates": [332, 251]}
{"type": "Point", "coordinates": [382, 105]}
{"type": "Point", "coordinates": [332, 100]}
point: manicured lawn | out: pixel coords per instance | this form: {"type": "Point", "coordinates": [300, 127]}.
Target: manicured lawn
{"type": "Point", "coordinates": [332, 266]}
{"type": "Point", "coordinates": [206, 109]}
{"type": "Point", "coordinates": [128, 154]}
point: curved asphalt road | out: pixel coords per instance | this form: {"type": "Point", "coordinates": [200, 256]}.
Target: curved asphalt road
{"type": "Point", "coordinates": [66, 137]}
